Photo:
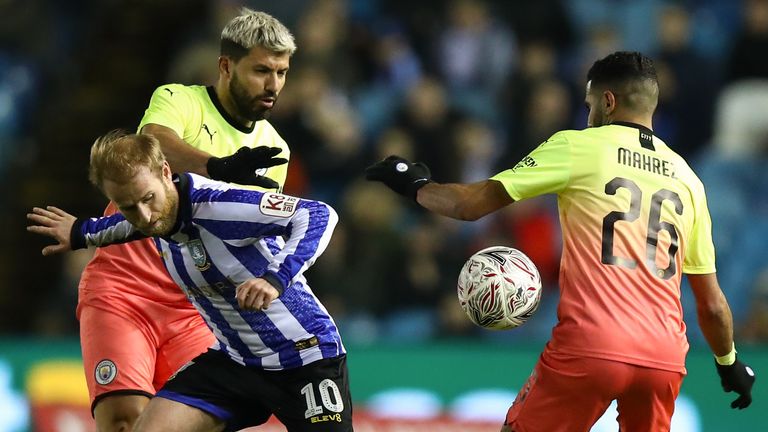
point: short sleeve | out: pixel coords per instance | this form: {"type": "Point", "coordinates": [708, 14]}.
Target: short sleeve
{"type": "Point", "coordinates": [700, 251]}
{"type": "Point", "coordinates": [171, 106]}
{"type": "Point", "coordinates": [547, 169]}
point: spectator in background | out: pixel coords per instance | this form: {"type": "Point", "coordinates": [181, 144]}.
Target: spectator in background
{"type": "Point", "coordinates": [430, 120]}
{"type": "Point", "coordinates": [755, 328]}
{"type": "Point", "coordinates": [688, 86]}
{"type": "Point", "coordinates": [538, 65]}
{"type": "Point", "coordinates": [371, 219]}
{"type": "Point", "coordinates": [747, 58]}
{"type": "Point", "coordinates": [476, 53]}
{"type": "Point", "coordinates": [319, 122]}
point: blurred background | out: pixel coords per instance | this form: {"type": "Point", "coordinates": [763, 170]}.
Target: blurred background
{"type": "Point", "coordinates": [466, 86]}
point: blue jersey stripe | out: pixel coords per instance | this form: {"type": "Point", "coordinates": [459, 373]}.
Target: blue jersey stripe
{"type": "Point", "coordinates": [214, 318]}
{"type": "Point", "coordinates": [249, 257]}
{"type": "Point", "coordinates": [232, 230]}
{"type": "Point", "coordinates": [257, 320]}
{"type": "Point", "coordinates": [303, 305]}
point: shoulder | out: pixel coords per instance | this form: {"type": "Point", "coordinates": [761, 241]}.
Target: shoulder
{"type": "Point", "coordinates": [564, 137]}
{"type": "Point", "coordinates": [180, 92]}
{"type": "Point", "coordinates": [197, 182]}
{"type": "Point", "coordinates": [204, 190]}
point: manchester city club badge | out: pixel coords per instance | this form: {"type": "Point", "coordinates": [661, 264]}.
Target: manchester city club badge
{"type": "Point", "coordinates": [105, 372]}
{"type": "Point", "coordinates": [197, 252]}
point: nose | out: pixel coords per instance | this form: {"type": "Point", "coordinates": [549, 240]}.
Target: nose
{"type": "Point", "coordinates": [145, 214]}
{"type": "Point", "coordinates": [272, 83]}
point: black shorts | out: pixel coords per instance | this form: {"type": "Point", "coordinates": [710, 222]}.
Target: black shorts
{"type": "Point", "coordinates": [314, 397]}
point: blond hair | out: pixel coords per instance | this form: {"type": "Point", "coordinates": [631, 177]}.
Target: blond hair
{"type": "Point", "coordinates": [253, 28]}
{"type": "Point", "coordinates": [118, 156]}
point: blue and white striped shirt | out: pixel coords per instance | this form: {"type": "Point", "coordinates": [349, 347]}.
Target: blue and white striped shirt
{"type": "Point", "coordinates": [225, 236]}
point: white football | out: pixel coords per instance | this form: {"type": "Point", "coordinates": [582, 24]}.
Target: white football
{"type": "Point", "coordinates": [499, 288]}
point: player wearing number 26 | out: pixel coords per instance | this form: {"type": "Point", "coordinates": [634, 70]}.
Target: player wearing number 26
{"type": "Point", "coordinates": [634, 218]}
{"type": "Point", "coordinates": [239, 255]}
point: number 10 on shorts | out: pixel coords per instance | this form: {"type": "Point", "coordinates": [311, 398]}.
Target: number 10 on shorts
{"type": "Point", "coordinates": [329, 395]}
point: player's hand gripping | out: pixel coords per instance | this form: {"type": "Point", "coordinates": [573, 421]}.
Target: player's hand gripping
{"type": "Point", "coordinates": [53, 222]}
{"type": "Point", "coordinates": [738, 378]}
{"type": "Point", "coordinates": [255, 294]}
{"type": "Point", "coordinates": [241, 166]}
{"type": "Point", "coordinates": [400, 175]}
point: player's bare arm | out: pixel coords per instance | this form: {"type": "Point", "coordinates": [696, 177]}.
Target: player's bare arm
{"type": "Point", "coordinates": [713, 312]}
{"type": "Point", "coordinates": [455, 200]}
{"type": "Point", "coordinates": [181, 156]}
{"type": "Point", "coordinates": [716, 324]}
{"type": "Point", "coordinates": [55, 223]}
{"type": "Point", "coordinates": [256, 294]}
{"type": "Point", "coordinates": [464, 201]}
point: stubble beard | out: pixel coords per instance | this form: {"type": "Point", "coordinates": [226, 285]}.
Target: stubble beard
{"type": "Point", "coordinates": [244, 103]}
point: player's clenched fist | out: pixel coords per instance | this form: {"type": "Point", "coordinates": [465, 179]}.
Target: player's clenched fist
{"type": "Point", "coordinates": [400, 175]}
{"type": "Point", "coordinates": [55, 223]}
{"type": "Point", "coordinates": [255, 294]}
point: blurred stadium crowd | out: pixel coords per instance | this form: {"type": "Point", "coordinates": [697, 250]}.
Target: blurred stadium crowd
{"type": "Point", "coordinates": [466, 86]}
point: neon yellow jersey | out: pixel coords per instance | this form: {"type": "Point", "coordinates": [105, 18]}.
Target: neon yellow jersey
{"type": "Point", "coordinates": [196, 115]}
{"type": "Point", "coordinates": [634, 217]}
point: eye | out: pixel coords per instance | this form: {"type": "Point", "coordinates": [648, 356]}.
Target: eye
{"type": "Point", "coordinates": [148, 198]}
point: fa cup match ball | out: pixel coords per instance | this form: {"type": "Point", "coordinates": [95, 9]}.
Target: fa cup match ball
{"type": "Point", "coordinates": [499, 288]}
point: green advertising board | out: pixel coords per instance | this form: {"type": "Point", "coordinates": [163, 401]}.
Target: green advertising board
{"type": "Point", "coordinates": [445, 372]}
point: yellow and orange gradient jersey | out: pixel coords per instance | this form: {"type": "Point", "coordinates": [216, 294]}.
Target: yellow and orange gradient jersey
{"type": "Point", "coordinates": [634, 218]}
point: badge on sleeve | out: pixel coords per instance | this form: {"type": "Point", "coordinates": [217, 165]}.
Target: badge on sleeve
{"type": "Point", "coordinates": [105, 372]}
{"type": "Point", "coordinates": [278, 205]}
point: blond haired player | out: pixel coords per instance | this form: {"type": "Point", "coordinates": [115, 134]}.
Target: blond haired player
{"type": "Point", "coordinates": [634, 219]}
{"type": "Point", "coordinates": [240, 256]}
{"type": "Point", "coordinates": [136, 325]}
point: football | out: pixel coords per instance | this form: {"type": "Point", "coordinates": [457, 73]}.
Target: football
{"type": "Point", "coordinates": [499, 288]}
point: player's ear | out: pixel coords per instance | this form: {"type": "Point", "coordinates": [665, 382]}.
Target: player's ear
{"type": "Point", "coordinates": [225, 66]}
{"type": "Point", "coordinates": [609, 101]}
{"type": "Point", "coordinates": [167, 172]}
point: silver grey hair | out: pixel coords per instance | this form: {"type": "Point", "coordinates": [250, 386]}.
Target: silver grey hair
{"type": "Point", "coordinates": [254, 28]}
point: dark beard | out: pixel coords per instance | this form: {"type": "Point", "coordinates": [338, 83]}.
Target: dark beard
{"type": "Point", "coordinates": [243, 103]}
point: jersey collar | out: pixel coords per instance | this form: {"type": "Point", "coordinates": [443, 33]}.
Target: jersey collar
{"type": "Point", "coordinates": [184, 213]}
{"type": "Point", "coordinates": [220, 108]}
{"type": "Point", "coordinates": [633, 125]}
{"type": "Point", "coordinates": [645, 136]}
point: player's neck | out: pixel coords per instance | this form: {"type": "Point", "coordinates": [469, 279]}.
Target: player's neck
{"type": "Point", "coordinates": [225, 99]}
{"type": "Point", "coordinates": [645, 121]}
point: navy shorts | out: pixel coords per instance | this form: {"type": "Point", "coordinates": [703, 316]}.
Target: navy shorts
{"type": "Point", "coordinates": [314, 397]}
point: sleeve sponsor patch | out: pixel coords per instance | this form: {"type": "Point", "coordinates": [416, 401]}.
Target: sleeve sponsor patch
{"type": "Point", "coordinates": [278, 205]}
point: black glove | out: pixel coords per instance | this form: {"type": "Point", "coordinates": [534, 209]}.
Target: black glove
{"type": "Point", "coordinates": [241, 167]}
{"type": "Point", "coordinates": [400, 175]}
{"type": "Point", "coordinates": [738, 378]}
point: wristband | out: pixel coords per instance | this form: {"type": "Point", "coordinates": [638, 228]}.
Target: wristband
{"type": "Point", "coordinates": [727, 359]}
